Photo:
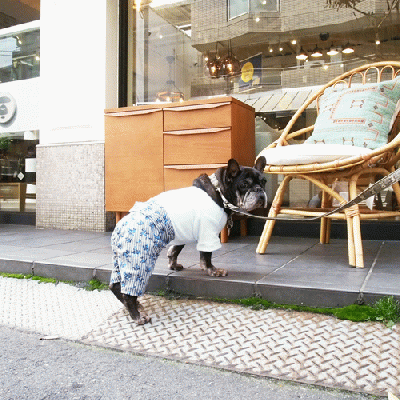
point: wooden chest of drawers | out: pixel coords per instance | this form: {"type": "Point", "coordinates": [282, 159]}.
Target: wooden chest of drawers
{"type": "Point", "coordinates": [152, 148]}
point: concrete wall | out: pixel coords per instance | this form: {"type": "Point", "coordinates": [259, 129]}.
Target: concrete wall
{"type": "Point", "coordinates": [78, 68]}
{"type": "Point", "coordinates": [70, 187]}
{"type": "Point", "coordinates": [79, 64]}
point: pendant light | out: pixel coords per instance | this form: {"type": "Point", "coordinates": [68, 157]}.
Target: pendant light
{"type": "Point", "coordinates": [302, 55]}
{"type": "Point", "coordinates": [316, 52]}
{"type": "Point", "coordinates": [230, 65]}
{"type": "Point", "coordinates": [214, 64]}
{"type": "Point", "coordinates": [332, 51]}
{"type": "Point", "coordinates": [348, 49]}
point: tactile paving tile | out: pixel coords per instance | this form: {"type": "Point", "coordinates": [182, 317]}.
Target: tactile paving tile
{"type": "Point", "coordinates": [59, 310]}
{"type": "Point", "coordinates": [301, 347]}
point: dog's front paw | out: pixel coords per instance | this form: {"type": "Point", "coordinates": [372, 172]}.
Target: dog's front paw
{"type": "Point", "coordinates": [217, 272]}
{"type": "Point", "coordinates": [175, 267]}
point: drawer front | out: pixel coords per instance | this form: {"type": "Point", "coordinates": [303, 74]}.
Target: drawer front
{"type": "Point", "coordinates": [200, 146]}
{"type": "Point", "coordinates": [217, 115]}
{"type": "Point", "coordinates": [134, 167]}
{"type": "Point", "coordinates": [179, 176]}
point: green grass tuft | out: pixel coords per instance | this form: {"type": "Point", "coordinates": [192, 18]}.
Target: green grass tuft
{"type": "Point", "coordinates": [388, 311]}
{"type": "Point", "coordinates": [95, 284]}
{"type": "Point", "coordinates": [43, 279]}
{"type": "Point", "coordinates": [356, 313]}
{"type": "Point", "coordinates": [15, 276]}
{"type": "Point", "coordinates": [385, 310]}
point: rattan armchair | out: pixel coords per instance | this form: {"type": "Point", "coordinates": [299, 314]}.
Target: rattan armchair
{"type": "Point", "coordinates": [356, 170]}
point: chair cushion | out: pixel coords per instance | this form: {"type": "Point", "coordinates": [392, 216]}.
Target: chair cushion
{"type": "Point", "coordinates": [310, 153]}
{"type": "Point", "coordinates": [358, 116]}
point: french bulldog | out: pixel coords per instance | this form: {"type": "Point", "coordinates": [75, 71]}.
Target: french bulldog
{"type": "Point", "coordinates": [178, 217]}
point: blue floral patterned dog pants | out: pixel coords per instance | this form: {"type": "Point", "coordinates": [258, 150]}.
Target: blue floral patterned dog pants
{"type": "Point", "coordinates": [136, 242]}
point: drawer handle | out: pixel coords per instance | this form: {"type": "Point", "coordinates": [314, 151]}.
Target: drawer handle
{"type": "Point", "coordinates": [197, 107]}
{"type": "Point", "coordinates": [197, 131]}
{"type": "Point", "coordinates": [197, 166]}
{"type": "Point", "coordinates": [133, 112]}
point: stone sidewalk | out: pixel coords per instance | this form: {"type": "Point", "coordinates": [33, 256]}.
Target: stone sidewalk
{"type": "Point", "coordinates": [293, 271]}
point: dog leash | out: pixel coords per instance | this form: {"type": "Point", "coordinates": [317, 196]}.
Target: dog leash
{"type": "Point", "coordinates": [376, 188]}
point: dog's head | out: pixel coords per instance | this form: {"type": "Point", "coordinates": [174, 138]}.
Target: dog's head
{"type": "Point", "coordinates": [244, 187]}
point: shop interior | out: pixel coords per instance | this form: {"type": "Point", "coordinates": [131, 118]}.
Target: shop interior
{"type": "Point", "coordinates": [18, 171]}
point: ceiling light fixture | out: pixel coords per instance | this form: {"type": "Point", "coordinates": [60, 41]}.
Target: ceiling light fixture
{"type": "Point", "coordinates": [169, 97]}
{"type": "Point", "coordinates": [332, 51]}
{"type": "Point", "coordinates": [230, 65]}
{"type": "Point", "coordinates": [214, 64]}
{"type": "Point", "coordinates": [214, 67]}
{"type": "Point", "coordinates": [172, 93]}
{"type": "Point", "coordinates": [302, 55]}
{"type": "Point", "coordinates": [316, 52]}
{"type": "Point", "coordinates": [348, 49]}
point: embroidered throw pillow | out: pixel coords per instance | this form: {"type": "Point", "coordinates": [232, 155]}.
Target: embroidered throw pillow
{"type": "Point", "coordinates": [358, 116]}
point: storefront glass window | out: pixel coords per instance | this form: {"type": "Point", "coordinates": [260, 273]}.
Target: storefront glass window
{"type": "Point", "coordinates": [176, 48]}
{"type": "Point", "coordinates": [18, 171]}
{"type": "Point", "coordinates": [161, 60]}
{"type": "Point", "coordinates": [20, 56]}
{"type": "Point", "coordinates": [19, 117]}
{"type": "Point", "coordinates": [280, 51]}
{"type": "Point", "coordinates": [238, 7]}
{"type": "Point", "coordinates": [264, 6]}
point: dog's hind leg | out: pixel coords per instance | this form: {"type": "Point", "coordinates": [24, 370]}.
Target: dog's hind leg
{"type": "Point", "coordinates": [132, 305]}
{"type": "Point", "coordinates": [173, 253]}
{"type": "Point", "coordinates": [116, 289]}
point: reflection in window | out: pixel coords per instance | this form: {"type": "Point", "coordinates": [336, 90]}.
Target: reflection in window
{"type": "Point", "coordinates": [164, 59]}
{"type": "Point", "coordinates": [172, 44]}
{"type": "Point", "coordinates": [237, 7]}
{"type": "Point", "coordinates": [20, 57]}
{"type": "Point", "coordinates": [240, 7]}
{"type": "Point", "coordinates": [264, 5]}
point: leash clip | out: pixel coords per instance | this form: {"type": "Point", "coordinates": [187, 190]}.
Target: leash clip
{"type": "Point", "coordinates": [229, 224]}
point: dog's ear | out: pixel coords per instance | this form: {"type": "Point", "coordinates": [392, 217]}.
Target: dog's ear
{"type": "Point", "coordinates": [260, 164]}
{"type": "Point", "coordinates": [233, 170]}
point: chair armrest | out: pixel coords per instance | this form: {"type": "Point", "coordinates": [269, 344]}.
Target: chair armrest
{"type": "Point", "coordinates": [299, 132]}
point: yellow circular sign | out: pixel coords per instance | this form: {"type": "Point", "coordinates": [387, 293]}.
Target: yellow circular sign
{"type": "Point", "coordinates": [247, 72]}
